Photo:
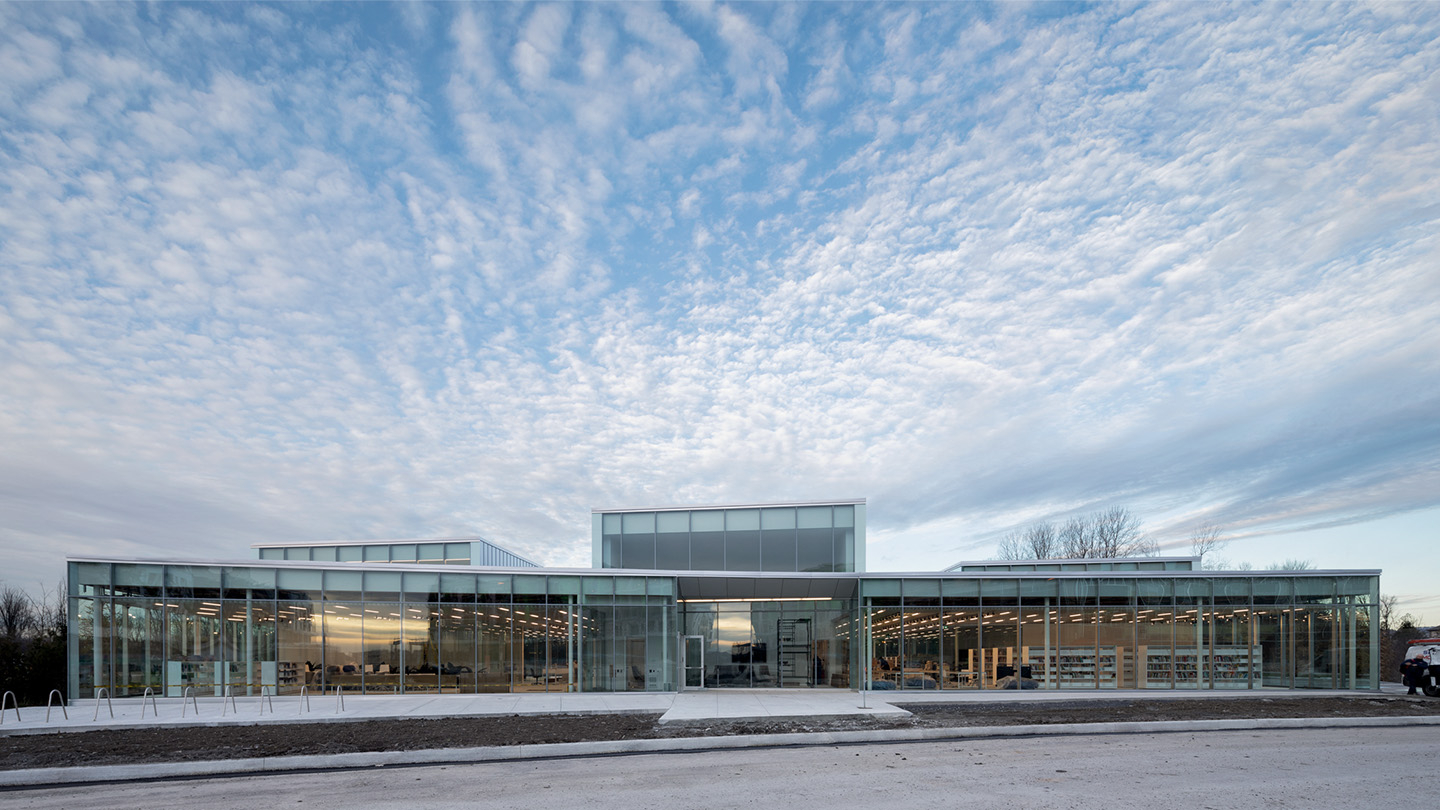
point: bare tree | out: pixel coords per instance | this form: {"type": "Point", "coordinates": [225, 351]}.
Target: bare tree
{"type": "Point", "coordinates": [1075, 538]}
{"type": "Point", "coordinates": [1114, 532]}
{"type": "Point", "coordinates": [17, 613]}
{"type": "Point", "coordinates": [1293, 564]}
{"type": "Point", "coordinates": [51, 614]}
{"type": "Point", "coordinates": [1036, 542]}
{"type": "Point", "coordinates": [1205, 541]}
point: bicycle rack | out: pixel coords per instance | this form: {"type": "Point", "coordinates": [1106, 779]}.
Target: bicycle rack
{"type": "Point", "coordinates": [189, 693]}
{"type": "Point", "coordinates": [264, 697]}
{"type": "Point", "coordinates": [14, 704]}
{"type": "Point", "coordinates": [149, 693]}
{"type": "Point", "coordinates": [106, 692]}
{"type": "Point", "coordinates": [304, 698]}
{"type": "Point", "coordinates": [339, 701]}
{"type": "Point", "coordinates": [50, 702]}
{"type": "Point", "coordinates": [228, 694]}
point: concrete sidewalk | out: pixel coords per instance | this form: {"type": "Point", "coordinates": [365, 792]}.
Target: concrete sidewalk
{"type": "Point", "coordinates": [55, 777]}
{"type": "Point", "coordinates": [684, 707]}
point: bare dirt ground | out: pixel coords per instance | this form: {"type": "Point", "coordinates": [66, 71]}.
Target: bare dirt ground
{"type": "Point", "coordinates": [131, 746]}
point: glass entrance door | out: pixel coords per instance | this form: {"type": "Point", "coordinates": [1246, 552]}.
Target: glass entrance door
{"type": "Point", "coordinates": [693, 663]}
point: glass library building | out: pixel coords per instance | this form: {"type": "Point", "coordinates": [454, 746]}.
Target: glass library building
{"type": "Point", "coordinates": [743, 596]}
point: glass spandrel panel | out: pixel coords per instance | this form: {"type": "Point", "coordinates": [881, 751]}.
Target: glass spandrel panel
{"type": "Point", "coordinates": [456, 553]}
{"type": "Point", "coordinates": [638, 523]}
{"type": "Point", "coordinates": [1156, 591]}
{"type": "Point", "coordinates": [299, 585]}
{"type": "Point", "coordinates": [872, 588]}
{"type": "Point", "coordinates": [960, 591]}
{"type": "Point", "coordinates": [1078, 591]}
{"type": "Point", "coordinates": [672, 522]}
{"type": "Point", "coordinates": [193, 578]}
{"type": "Point", "coordinates": [422, 587]}
{"type": "Point", "coordinates": [1000, 591]}
{"type": "Point", "coordinates": [404, 552]}
{"type": "Point", "coordinates": [529, 585]}
{"type": "Point", "coordinates": [251, 578]}
{"type": "Point", "coordinates": [707, 520]}
{"type": "Point", "coordinates": [845, 516]}
{"type": "Point", "coordinates": [918, 589]}
{"type": "Point", "coordinates": [376, 553]}
{"type": "Point", "coordinates": [430, 553]}
{"type": "Point", "coordinates": [323, 554]}
{"type": "Point", "coordinates": [1314, 589]}
{"type": "Point", "coordinates": [382, 585]}
{"type": "Point", "coordinates": [349, 553]}
{"type": "Point", "coordinates": [629, 586]}
{"type": "Point", "coordinates": [1038, 589]}
{"type": "Point", "coordinates": [610, 524]}
{"type": "Point", "coordinates": [742, 520]}
{"type": "Point", "coordinates": [1192, 591]}
{"type": "Point", "coordinates": [777, 518]}
{"type": "Point", "coordinates": [142, 579]}
{"type": "Point", "coordinates": [1273, 590]}
{"type": "Point", "coordinates": [457, 587]}
{"type": "Point", "coordinates": [564, 586]}
{"type": "Point", "coordinates": [814, 517]}
{"type": "Point", "coordinates": [1116, 591]}
{"type": "Point", "coordinates": [302, 554]}
{"type": "Point", "coordinates": [342, 585]}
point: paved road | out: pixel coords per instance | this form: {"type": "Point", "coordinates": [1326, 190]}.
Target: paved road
{"type": "Point", "coordinates": [1340, 768]}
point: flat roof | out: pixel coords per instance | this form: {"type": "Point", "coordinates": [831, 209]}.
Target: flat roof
{"type": "Point", "coordinates": [396, 541]}
{"type": "Point", "coordinates": [645, 572]}
{"type": "Point", "coordinates": [701, 507]}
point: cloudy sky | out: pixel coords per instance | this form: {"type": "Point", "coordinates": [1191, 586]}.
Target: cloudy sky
{"type": "Point", "coordinates": [302, 272]}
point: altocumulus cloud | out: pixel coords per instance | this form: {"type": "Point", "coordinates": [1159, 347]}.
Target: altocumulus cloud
{"type": "Point", "coordinates": [349, 271]}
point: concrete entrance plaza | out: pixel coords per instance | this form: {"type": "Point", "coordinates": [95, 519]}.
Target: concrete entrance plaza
{"type": "Point", "coordinates": [696, 706]}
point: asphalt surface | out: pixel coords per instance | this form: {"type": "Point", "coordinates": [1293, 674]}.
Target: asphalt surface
{"type": "Point", "coordinates": [1301, 768]}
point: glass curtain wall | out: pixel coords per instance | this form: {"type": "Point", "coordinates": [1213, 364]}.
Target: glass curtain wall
{"type": "Point", "coordinates": [787, 538]}
{"type": "Point", "coordinates": [1213, 632]}
{"type": "Point", "coordinates": [282, 630]}
{"type": "Point", "coordinates": [780, 643]}
{"type": "Point", "coordinates": [174, 627]}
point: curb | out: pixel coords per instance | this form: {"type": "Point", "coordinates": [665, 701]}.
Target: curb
{"type": "Point", "coordinates": [55, 777]}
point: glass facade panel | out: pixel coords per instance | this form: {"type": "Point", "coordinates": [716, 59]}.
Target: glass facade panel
{"type": "Point", "coordinates": [707, 541]}
{"type": "Point", "coordinates": [742, 540]}
{"type": "Point", "coordinates": [206, 627]}
{"type": "Point", "coordinates": [420, 646]}
{"type": "Point", "coordinates": [672, 540]}
{"type": "Point", "coordinates": [638, 540]}
{"type": "Point", "coordinates": [777, 540]}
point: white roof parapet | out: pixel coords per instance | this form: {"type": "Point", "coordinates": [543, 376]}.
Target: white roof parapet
{"type": "Point", "coordinates": [1072, 561]}
{"type": "Point", "coordinates": [596, 510]}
